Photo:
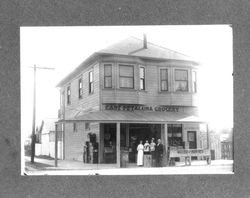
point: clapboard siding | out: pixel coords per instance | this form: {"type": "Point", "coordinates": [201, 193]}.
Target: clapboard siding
{"type": "Point", "coordinates": [74, 141]}
{"type": "Point", "coordinates": [88, 102]}
{"type": "Point", "coordinates": [152, 95]}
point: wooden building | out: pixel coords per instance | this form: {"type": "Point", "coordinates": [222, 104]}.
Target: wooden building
{"type": "Point", "coordinates": [133, 90]}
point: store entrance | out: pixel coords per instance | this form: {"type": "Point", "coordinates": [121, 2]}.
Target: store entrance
{"type": "Point", "coordinates": [142, 132]}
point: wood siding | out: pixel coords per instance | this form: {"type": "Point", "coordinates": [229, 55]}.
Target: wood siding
{"type": "Point", "coordinates": [89, 101]}
{"type": "Point", "coordinates": [152, 94]}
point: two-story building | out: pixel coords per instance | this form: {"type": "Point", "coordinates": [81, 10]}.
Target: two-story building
{"type": "Point", "coordinates": [131, 91]}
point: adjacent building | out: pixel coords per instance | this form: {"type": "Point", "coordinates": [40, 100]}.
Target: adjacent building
{"type": "Point", "coordinates": [131, 91]}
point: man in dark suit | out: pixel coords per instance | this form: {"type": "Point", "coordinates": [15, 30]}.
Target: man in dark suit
{"type": "Point", "coordinates": [158, 153]}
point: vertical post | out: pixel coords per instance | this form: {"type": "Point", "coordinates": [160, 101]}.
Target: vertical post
{"type": "Point", "coordinates": [208, 145]}
{"type": "Point", "coordinates": [118, 148]}
{"type": "Point", "coordinates": [166, 142]}
{"type": "Point", "coordinates": [208, 138]}
{"type": "Point", "coordinates": [56, 147]}
{"type": "Point", "coordinates": [33, 137]}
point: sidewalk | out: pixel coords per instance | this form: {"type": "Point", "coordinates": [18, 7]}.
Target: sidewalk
{"type": "Point", "coordinates": [66, 167]}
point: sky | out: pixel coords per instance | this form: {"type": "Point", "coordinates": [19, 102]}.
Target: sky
{"type": "Point", "coordinates": [64, 48]}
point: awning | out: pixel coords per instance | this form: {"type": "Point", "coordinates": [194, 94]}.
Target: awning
{"type": "Point", "coordinates": [136, 116]}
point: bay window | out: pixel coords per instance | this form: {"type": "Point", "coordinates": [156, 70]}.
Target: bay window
{"type": "Point", "coordinates": [126, 76]}
{"type": "Point", "coordinates": [108, 76]}
{"type": "Point", "coordinates": [181, 80]}
{"type": "Point", "coordinates": [164, 79]}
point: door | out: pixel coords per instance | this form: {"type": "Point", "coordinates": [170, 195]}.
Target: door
{"type": "Point", "coordinates": [192, 139]}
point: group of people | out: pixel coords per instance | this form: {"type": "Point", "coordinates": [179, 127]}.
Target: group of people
{"type": "Point", "coordinates": [153, 149]}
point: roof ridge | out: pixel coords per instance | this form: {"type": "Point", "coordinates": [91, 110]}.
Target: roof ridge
{"type": "Point", "coordinates": [161, 46]}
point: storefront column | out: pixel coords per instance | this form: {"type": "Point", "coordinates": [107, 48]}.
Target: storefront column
{"type": "Point", "coordinates": [166, 143]}
{"type": "Point", "coordinates": [118, 147]}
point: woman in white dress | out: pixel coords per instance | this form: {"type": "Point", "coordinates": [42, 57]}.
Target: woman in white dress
{"type": "Point", "coordinates": [140, 149]}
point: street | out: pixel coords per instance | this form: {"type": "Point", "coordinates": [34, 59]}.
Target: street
{"type": "Point", "coordinates": [65, 167]}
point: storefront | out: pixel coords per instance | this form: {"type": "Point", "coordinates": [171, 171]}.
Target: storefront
{"type": "Point", "coordinates": [118, 132]}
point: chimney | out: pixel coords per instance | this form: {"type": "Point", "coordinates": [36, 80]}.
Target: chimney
{"type": "Point", "coordinates": [145, 45]}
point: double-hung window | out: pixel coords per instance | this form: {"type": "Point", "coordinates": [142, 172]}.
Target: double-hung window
{"type": "Point", "coordinates": [164, 79]}
{"type": "Point", "coordinates": [68, 95]}
{"type": "Point", "coordinates": [107, 75]}
{"type": "Point", "coordinates": [91, 82]}
{"type": "Point", "coordinates": [80, 88]}
{"type": "Point", "coordinates": [142, 78]}
{"type": "Point", "coordinates": [181, 80]}
{"type": "Point", "coordinates": [194, 81]}
{"type": "Point", "coordinates": [126, 76]}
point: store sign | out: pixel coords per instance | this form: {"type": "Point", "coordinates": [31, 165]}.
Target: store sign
{"type": "Point", "coordinates": [189, 152]}
{"type": "Point", "coordinates": [128, 107]}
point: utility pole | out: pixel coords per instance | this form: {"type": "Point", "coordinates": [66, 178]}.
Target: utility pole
{"type": "Point", "coordinates": [33, 136]}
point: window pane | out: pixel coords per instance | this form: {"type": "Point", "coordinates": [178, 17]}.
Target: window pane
{"type": "Point", "coordinates": [142, 72]}
{"type": "Point", "coordinates": [126, 70]}
{"type": "Point", "coordinates": [164, 85]}
{"type": "Point", "coordinates": [164, 74]}
{"type": "Point", "coordinates": [91, 76]}
{"type": "Point", "coordinates": [181, 86]}
{"type": "Point", "coordinates": [181, 75]}
{"type": "Point", "coordinates": [108, 81]}
{"type": "Point", "coordinates": [126, 82]}
{"type": "Point", "coordinates": [107, 70]}
{"type": "Point", "coordinates": [142, 86]}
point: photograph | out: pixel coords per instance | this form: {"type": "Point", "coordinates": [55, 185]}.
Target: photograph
{"type": "Point", "coordinates": [126, 100]}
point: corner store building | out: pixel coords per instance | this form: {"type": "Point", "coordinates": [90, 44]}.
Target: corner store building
{"type": "Point", "coordinates": [130, 91]}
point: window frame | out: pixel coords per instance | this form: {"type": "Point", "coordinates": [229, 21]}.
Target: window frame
{"type": "Point", "coordinates": [80, 89]}
{"type": "Point", "coordinates": [133, 78]}
{"type": "Point", "coordinates": [107, 76]}
{"type": "Point", "coordinates": [68, 91]}
{"type": "Point", "coordinates": [194, 81]}
{"type": "Point", "coordinates": [91, 83]}
{"type": "Point", "coordinates": [75, 127]}
{"type": "Point", "coordinates": [167, 80]}
{"type": "Point", "coordinates": [187, 81]}
{"type": "Point", "coordinates": [142, 79]}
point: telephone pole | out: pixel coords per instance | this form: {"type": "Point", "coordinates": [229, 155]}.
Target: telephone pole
{"type": "Point", "coordinates": [33, 136]}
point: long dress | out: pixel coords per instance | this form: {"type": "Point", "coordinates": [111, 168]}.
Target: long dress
{"type": "Point", "coordinates": [140, 148]}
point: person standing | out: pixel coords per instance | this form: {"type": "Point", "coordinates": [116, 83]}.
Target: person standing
{"type": "Point", "coordinates": [140, 149]}
{"type": "Point", "coordinates": [159, 153]}
{"type": "Point", "coordinates": [152, 151]}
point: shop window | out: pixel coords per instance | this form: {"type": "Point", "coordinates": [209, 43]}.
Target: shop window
{"type": "Point", "coordinates": [164, 79]}
{"type": "Point", "coordinates": [126, 74]}
{"type": "Point", "coordinates": [91, 82]}
{"type": "Point", "coordinates": [175, 135]}
{"type": "Point", "coordinates": [181, 80]}
{"type": "Point", "coordinates": [194, 81]}
{"type": "Point", "coordinates": [108, 76]}
{"type": "Point", "coordinates": [142, 78]}
{"type": "Point", "coordinates": [68, 95]}
{"type": "Point", "coordinates": [80, 88]}
{"type": "Point", "coordinates": [74, 127]}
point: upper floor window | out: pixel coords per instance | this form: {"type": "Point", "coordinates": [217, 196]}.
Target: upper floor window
{"type": "Point", "coordinates": [164, 79]}
{"type": "Point", "coordinates": [142, 78]}
{"type": "Point", "coordinates": [80, 88]}
{"type": "Point", "coordinates": [74, 127]}
{"type": "Point", "coordinates": [126, 74]}
{"type": "Point", "coordinates": [108, 76]}
{"type": "Point", "coordinates": [194, 81]}
{"type": "Point", "coordinates": [91, 82]}
{"type": "Point", "coordinates": [68, 95]}
{"type": "Point", "coordinates": [181, 80]}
